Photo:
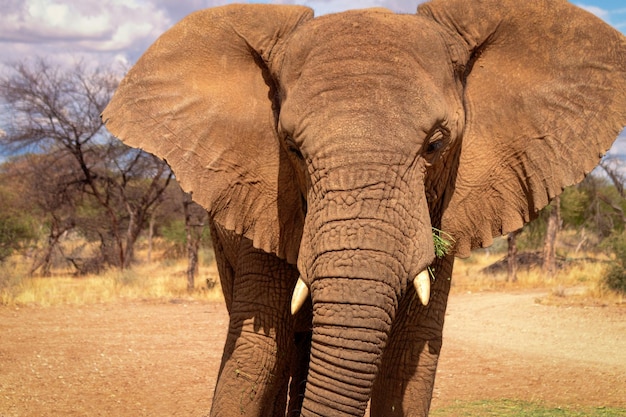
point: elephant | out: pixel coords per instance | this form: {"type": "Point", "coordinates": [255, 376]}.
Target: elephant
{"type": "Point", "coordinates": [327, 149]}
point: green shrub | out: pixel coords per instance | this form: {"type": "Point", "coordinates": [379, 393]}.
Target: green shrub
{"type": "Point", "coordinates": [15, 233]}
{"type": "Point", "coordinates": [175, 235]}
{"type": "Point", "coordinates": [615, 277]}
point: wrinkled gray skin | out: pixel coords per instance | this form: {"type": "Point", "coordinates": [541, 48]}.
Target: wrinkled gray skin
{"type": "Point", "coordinates": [329, 147]}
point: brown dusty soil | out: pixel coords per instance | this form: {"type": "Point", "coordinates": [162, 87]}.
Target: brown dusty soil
{"type": "Point", "coordinates": [161, 359]}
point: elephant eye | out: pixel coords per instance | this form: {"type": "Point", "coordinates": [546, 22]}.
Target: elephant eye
{"type": "Point", "coordinates": [434, 146]}
{"type": "Point", "coordinates": [293, 149]}
{"type": "Point", "coordinates": [436, 142]}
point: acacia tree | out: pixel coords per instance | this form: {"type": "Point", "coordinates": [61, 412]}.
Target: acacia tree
{"type": "Point", "coordinates": [615, 276]}
{"type": "Point", "coordinates": [16, 229]}
{"type": "Point", "coordinates": [511, 256]}
{"type": "Point", "coordinates": [185, 227]}
{"type": "Point", "coordinates": [598, 203]}
{"type": "Point", "coordinates": [195, 226]}
{"type": "Point", "coordinates": [612, 169]}
{"type": "Point", "coordinates": [54, 110]}
{"type": "Point", "coordinates": [47, 188]}
{"type": "Point", "coordinates": [549, 247]}
{"type": "Point", "coordinates": [596, 207]}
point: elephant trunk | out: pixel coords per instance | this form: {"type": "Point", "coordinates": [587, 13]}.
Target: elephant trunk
{"type": "Point", "coordinates": [347, 345]}
{"type": "Point", "coordinates": [360, 256]}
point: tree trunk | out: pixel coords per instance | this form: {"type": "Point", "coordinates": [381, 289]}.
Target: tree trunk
{"type": "Point", "coordinates": [44, 263]}
{"type": "Point", "coordinates": [132, 234]}
{"type": "Point", "coordinates": [192, 256]}
{"type": "Point", "coordinates": [193, 243]}
{"type": "Point", "coordinates": [511, 257]}
{"type": "Point", "coordinates": [583, 239]}
{"type": "Point", "coordinates": [549, 252]}
{"type": "Point", "coordinates": [150, 236]}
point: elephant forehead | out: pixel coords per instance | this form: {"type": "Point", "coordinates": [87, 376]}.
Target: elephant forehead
{"type": "Point", "coordinates": [365, 62]}
{"type": "Point", "coordinates": [354, 42]}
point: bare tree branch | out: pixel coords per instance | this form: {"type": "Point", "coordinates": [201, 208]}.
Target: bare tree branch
{"type": "Point", "coordinates": [56, 111]}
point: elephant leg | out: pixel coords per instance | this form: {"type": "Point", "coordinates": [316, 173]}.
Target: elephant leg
{"type": "Point", "coordinates": [256, 364]}
{"type": "Point", "coordinates": [405, 382]}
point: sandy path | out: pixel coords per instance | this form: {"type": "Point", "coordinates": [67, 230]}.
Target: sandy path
{"type": "Point", "coordinates": [147, 359]}
{"type": "Point", "coordinates": [500, 345]}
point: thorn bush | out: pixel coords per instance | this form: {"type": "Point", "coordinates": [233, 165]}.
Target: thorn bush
{"type": "Point", "coordinates": [615, 277]}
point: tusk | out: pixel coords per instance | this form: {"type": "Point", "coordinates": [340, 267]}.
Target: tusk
{"type": "Point", "coordinates": [422, 286]}
{"type": "Point", "coordinates": [300, 295]}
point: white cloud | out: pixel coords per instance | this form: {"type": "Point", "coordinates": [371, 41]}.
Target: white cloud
{"type": "Point", "coordinates": [110, 29]}
{"type": "Point", "coordinates": [612, 16]}
{"type": "Point", "coordinates": [619, 147]}
{"type": "Point", "coordinates": [334, 6]}
{"type": "Point", "coordinates": [128, 27]}
{"type": "Point", "coordinates": [40, 20]}
{"type": "Point", "coordinates": [601, 13]}
{"type": "Point", "coordinates": [81, 25]}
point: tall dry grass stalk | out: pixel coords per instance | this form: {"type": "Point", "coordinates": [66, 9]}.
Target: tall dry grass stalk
{"type": "Point", "coordinates": [162, 281]}
{"type": "Point", "coordinates": [166, 280]}
{"type": "Point", "coordinates": [579, 280]}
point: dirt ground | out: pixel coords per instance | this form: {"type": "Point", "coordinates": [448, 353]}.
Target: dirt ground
{"type": "Point", "coordinates": [149, 359]}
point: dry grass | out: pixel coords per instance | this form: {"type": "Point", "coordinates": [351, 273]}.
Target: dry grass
{"type": "Point", "coordinates": [158, 281]}
{"type": "Point", "coordinates": [579, 281]}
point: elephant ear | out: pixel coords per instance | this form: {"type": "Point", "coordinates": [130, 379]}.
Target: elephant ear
{"type": "Point", "coordinates": [545, 97]}
{"type": "Point", "coordinates": [201, 98]}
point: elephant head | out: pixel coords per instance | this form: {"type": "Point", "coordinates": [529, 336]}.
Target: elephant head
{"type": "Point", "coordinates": [337, 143]}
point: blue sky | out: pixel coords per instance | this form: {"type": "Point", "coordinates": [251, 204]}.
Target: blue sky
{"type": "Point", "coordinates": [116, 32]}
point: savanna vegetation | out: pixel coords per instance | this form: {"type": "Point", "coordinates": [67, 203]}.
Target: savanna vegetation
{"type": "Point", "coordinates": [75, 201]}
{"type": "Point", "coordinates": [85, 218]}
